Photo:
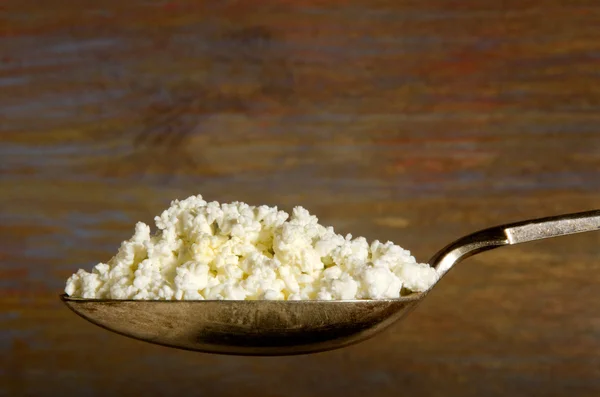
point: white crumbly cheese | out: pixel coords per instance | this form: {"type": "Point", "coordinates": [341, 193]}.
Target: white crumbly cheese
{"type": "Point", "coordinates": [236, 251]}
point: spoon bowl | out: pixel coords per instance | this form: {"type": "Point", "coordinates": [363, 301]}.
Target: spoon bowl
{"type": "Point", "coordinates": [269, 328]}
{"type": "Point", "coordinates": [262, 328]}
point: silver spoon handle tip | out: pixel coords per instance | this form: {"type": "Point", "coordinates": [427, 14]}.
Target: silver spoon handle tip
{"type": "Point", "coordinates": [538, 229]}
{"type": "Point", "coordinates": [514, 233]}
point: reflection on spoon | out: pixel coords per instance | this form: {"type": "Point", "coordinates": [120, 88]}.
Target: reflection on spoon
{"type": "Point", "coordinates": [271, 328]}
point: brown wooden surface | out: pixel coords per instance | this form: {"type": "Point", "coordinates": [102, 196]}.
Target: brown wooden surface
{"type": "Point", "coordinates": [414, 121]}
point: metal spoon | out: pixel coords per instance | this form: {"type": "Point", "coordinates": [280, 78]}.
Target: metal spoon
{"type": "Point", "coordinates": [271, 328]}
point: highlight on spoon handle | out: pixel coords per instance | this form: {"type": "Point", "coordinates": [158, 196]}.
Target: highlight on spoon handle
{"type": "Point", "coordinates": [514, 233]}
{"type": "Point", "coordinates": [538, 229]}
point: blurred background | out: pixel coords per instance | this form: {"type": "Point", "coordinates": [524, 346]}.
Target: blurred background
{"type": "Point", "coordinates": [402, 120]}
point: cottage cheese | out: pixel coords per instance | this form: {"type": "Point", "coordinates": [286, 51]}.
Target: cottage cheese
{"type": "Point", "coordinates": [236, 251]}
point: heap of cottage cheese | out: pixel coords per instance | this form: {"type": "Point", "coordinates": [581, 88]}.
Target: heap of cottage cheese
{"type": "Point", "coordinates": [236, 251]}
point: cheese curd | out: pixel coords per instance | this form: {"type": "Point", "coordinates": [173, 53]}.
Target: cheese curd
{"type": "Point", "coordinates": [236, 251]}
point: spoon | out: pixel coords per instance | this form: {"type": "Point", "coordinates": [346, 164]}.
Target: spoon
{"type": "Point", "coordinates": [274, 328]}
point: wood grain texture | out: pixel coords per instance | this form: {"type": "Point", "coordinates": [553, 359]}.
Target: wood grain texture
{"type": "Point", "coordinates": [411, 121]}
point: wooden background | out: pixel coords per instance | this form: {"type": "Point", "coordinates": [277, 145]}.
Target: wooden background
{"type": "Point", "coordinates": [413, 121]}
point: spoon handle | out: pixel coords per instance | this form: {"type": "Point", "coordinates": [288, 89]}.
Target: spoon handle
{"type": "Point", "coordinates": [514, 233]}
